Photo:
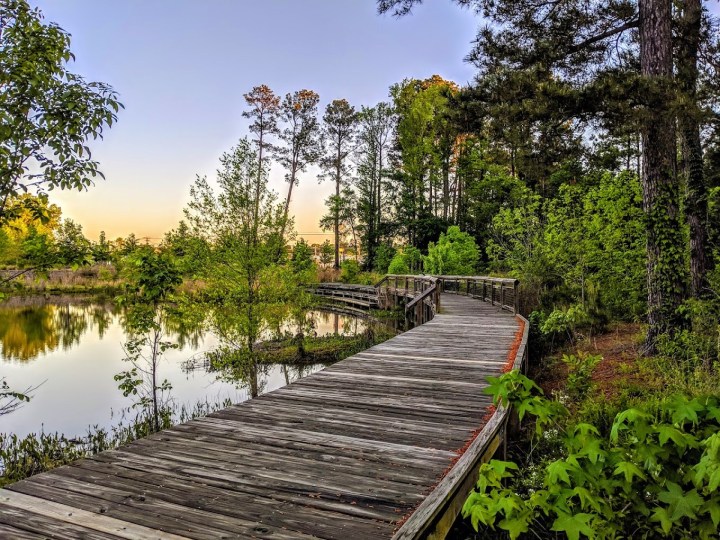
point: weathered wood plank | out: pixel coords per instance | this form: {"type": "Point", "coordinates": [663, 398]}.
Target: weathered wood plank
{"type": "Point", "coordinates": [64, 513]}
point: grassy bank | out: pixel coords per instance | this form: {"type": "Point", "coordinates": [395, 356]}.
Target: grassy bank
{"type": "Point", "coordinates": [96, 279]}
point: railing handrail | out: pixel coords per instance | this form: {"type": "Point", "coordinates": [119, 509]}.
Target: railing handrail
{"type": "Point", "coordinates": [423, 294]}
{"type": "Point", "coordinates": [509, 281]}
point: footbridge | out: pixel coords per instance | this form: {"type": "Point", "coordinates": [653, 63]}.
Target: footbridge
{"type": "Point", "coordinates": [384, 444]}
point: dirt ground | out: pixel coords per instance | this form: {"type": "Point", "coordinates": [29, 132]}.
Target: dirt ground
{"type": "Point", "coordinates": [619, 347]}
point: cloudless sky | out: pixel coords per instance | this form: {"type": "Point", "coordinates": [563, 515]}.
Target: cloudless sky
{"type": "Point", "coordinates": [182, 66]}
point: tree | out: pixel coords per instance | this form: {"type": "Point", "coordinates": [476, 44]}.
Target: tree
{"type": "Point", "coordinates": [241, 223]}
{"type": "Point", "coordinates": [101, 250]}
{"type": "Point", "coordinates": [375, 130]}
{"type": "Point", "coordinates": [407, 260]}
{"type": "Point", "coordinates": [301, 260]}
{"type": "Point", "coordinates": [152, 280]}
{"type": "Point", "coordinates": [47, 113]}
{"type": "Point", "coordinates": [187, 249]}
{"type": "Point", "coordinates": [264, 109]}
{"type": "Point", "coordinates": [425, 144]}
{"type": "Point", "coordinates": [301, 137]}
{"type": "Point", "coordinates": [690, 39]}
{"type": "Point", "coordinates": [341, 216]}
{"type": "Point", "coordinates": [326, 253]}
{"type": "Point", "coordinates": [29, 219]}
{"type": "Point", "coordinates": [659, 177]}
{"type": "Point", "coordinates": [339, 127]}
{"type": "Point", "coordinates": [73, 249]}
{"type": "Point", "coordinates": [455, 254]}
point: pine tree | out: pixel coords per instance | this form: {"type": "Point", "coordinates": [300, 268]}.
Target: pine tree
{"type": "Point", "coordinates": [300, 137]}
{"type": "Point", "coordinates": [339, 130]}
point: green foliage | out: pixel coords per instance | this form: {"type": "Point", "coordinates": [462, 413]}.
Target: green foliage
{"type": "Point", "coordinates": [11, 400]}
{"type": "Point", "coordinates": [586, 246]}
{"type": "Point", "coordinates": [302, 258]}
{"type": "Point", "coordinates": [383, 257]}
{"type": "Point", "coordinates": [349, 271]}
{"type": "Point", "coordinates": [152, 280]}
{"type": "Point", "coordinates": [73, 249]}
{"type": "Point", "coordinates": [407, 260]}
{"type": "Point", "coordinates": [580, 368]}
{"type": "Point", "coordinates": [326, 253]}
{"type": "Point", "coordinates": [656, 473]}
{"type": "Point", "coordinates": [22, 457]}
{"type": "Point", "coordinates": [565, 321]}
{"type": "Point", "coordinates": [246, 285]}
{"type": "Point", "coordinates": [516, 239]}
{"type": "Point", "coordinates": [46, 148]}
{"type": "Point", "coordinates": [188, 250]}
{"type": "Point", "coordinates": [455, 254]}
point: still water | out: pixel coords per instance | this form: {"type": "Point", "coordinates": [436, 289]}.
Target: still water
{"type": "Point", "coordinates": [70, 348]}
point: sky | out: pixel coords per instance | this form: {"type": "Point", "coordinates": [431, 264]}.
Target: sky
{"type": "Point", "coordinates": [182, 66]}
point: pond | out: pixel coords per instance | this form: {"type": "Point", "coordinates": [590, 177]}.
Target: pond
{"type": "Point", "coordinates": [69, 348]}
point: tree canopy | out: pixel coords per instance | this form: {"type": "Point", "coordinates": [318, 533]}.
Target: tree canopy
{"type": "Point", "coordinates": [47, 113]}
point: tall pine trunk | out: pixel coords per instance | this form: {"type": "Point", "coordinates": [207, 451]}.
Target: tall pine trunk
{"type": "Point", "coordinates": [696, 206]}
{"type": "Point", "coordinates": [665, 267]}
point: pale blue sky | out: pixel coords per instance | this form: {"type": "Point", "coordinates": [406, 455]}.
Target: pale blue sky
{"type": "Point", "coordinates": [181, 67]}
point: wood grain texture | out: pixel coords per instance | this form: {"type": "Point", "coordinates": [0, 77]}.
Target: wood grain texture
{"type": "Point", "coordinates": [369, 448]}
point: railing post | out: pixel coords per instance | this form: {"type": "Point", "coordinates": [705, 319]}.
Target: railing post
{"type": "Point", "coordinates": [516, 302]}
{"type": "Point", "coordinates": [492, 293]}
{"type": "Point", "coordinates": [502, 296]}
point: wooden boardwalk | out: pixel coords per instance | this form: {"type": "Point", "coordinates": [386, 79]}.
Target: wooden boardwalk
{"type": "Point", "coordinates": [352, 452]}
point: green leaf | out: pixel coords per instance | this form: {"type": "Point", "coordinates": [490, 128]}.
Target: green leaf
{"type": "Point", "coordinates": [629, 470]}
{"type": "Point", "coordinates": [683, 410]}
{"type": "Point", "coordinates": [660, 514]}
{"type": "Point", "coordinates": [587, 499]}
{"type": "Point", "coordinates": [712, 507]}
{"type": "Point", "coordinates": [680, 504]}
{"type": "Point", "coordinates": [680, 439]}
{"type": "Point", "coordinates": [574, 525]}
{"type": "Point", "coordinates": [557, 472]}
{"type": "Point", "coordinates": [593, 451]}
{"type": "Point", "coordinates": [518, 525]}
{"type": "Point", "coordinates": [625, 419]}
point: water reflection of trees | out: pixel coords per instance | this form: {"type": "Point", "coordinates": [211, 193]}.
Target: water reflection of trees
{"type": "Point", "coordinates": [32, 330]}
{"type": "Point", "coordinates": [27, 332]}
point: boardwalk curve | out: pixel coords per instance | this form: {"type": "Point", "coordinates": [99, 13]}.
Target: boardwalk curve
{"type": "Point", "coordinates": [384, 444]}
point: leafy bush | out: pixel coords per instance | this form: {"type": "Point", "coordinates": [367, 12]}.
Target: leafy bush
{"type": "Point", "coordinates": [349, 271]}
{"type": "Point", "coordinates": [656, 474]}
{"type": "Point", "coordinates": [383, 257]}
{"type": "Point", "coordinates": [455, 253]}
{"type": "Point", "coordinates": [565, 322]}
{"type": "Point", "coordinates": [580, 370]}
{"type": "Point", "coordinates": [407, 260]}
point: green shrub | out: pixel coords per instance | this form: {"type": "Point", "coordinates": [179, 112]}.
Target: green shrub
{"type": "Point", "coordinates": [349, 271]}
{"type": "Point", "coordinates": [580, 370]}
{"type": "Point", "coordinates": [656, 474]}
{"type": "Point", "coordinates": [407, 260]}
{"type": "Point", "coordinates": [455, 253]}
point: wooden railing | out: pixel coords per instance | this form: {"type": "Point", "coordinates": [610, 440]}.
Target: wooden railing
{"type": "Point", "coordinates": [361, 295]}
{"type": "Point", "coordinates": [423, 293]}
